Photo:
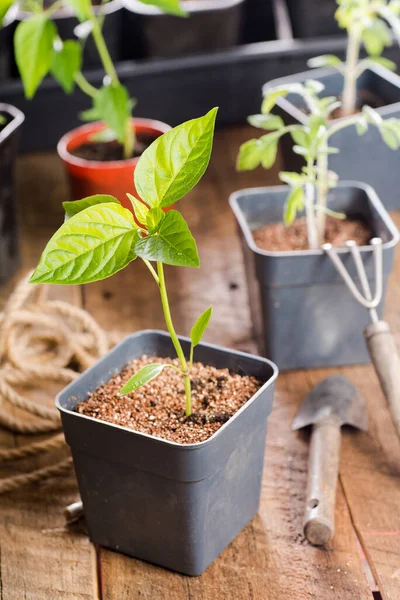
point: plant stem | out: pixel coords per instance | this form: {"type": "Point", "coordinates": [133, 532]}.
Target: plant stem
{"type": "Point", "coordinates": [174, 337]}
{"type": "Point", "coordinates": [322, 192]}
{"type": "Point", "coordinates": [312, 232]}
{"type": "Point", "coordinates": [84, 85]}
{"type": "Point", "coordinates": [350, 75]}
{"type": "Point", "coordinates": [151, 269]}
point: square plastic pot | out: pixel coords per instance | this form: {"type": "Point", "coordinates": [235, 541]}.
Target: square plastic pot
{"type": "Point", "coordinates": [362, 158]}
{"type": "Point", "coordinates": [313, 18]}
{"type": "Point", "coordinates": [171, 504]}
{"type": "Point", "coordinates": [9, 238]}
{"type": "Point", "coordinates": [212, 25]}
{"type": "Point", "coordinates": [303, 314]}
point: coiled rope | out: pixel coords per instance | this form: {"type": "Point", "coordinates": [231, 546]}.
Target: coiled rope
{"type": "Point", "coordinates": [41, 340]}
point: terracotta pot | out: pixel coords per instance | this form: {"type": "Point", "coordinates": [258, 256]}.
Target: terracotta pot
{"type": "Point", "coordinates": [89, 177]}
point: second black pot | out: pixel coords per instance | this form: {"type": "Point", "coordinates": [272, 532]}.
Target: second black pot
{"type": "Point", "coordinates": [303, 314]}
{"type": "Point", "coordinates": [176, 505]}
{"type": "Point", "coordinates": [211, 25]}
{"type": "Point", "coordinates": [313, 18]}
{"type": "Point", "coordinates": [9, 238]}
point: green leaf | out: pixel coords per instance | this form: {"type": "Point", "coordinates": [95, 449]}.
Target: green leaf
{"type": "Point", "coordinates": [33, 46]}
{"type": "Point", "coordinates": [173, 245]}
{"type": "Point", "coordinates": [294, 203]}
{"type": "Point", "coordinates": [142, 377]}
{"type": "Point", "coordinates": [75, 207]}
{"type": "Point", "coordinates": [372, 116]}
{"type": "Point", "coordinates": [270, 150]}
{"type": "Point", "coordinates": [175, 162]}
{"type": "Point", "coordinates": [269, 122]}
{"type": "Point", "coordinates": [293, 179]}
{"type": "Point", "coordinates": [91, 114]}
{"type": "Point", "coordinates": [5, 5]}
{"type": "Point", "coordinates": [112, 103]}
{"type": "Point", "coordinates": [170, 7]}
{"type": "Point", "coordinates": [300, 137]}
{"type": "Point", "coordinates": [154, 218]}
{"type": "Point", "coordinates": [390, 138]}
{"type": "Point", "coordinates": [66, 63]}
{"type": "Point", "coordinates": [325, 60]}
{"type": "Point", "coordinates": [314, 124]}
{"type": "Point", "coordinates": [271, 98]}
{"type": "Point", "coordinates": [361, 126]}
{"type": "Point", "coordinates": [92, 245]}
{"type": "Point", "coordinates": [250, 155]}
{"type": "Point", "coordinates": [82, 8]}
{"type": "Point", "coordinates": [139, 209]}
{"type": "Point", "coordinates": [383, 62]}
{"type": "Point", "coordinates": [376, 37]}
{"type": "Point", "coordinates": [200, 326]}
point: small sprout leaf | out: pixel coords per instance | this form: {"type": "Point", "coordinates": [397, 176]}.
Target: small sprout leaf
{"type": "Point", "coordinates": [142, 377]}
{"type": "Point", "coordinates": [91, 114]}
{"type": "Point", "coordinates": [76, 206]}
{"type": "Point", "coordinates": [325, 60]}
{"type": "Point", "coordinates": [200, 326]}
{"type": "Point", "coordinates": [112, 104]}
{"type": "Point", "coordinates": [33, 46]}
{"type": "Point", "coordinates": [271, 98]}
{"type": "Point", "coordinates": [173, 244]}
{"type": "Point", "coordinates": [294, 203]}
{"type": "Point", "coordinates": [66, 63]}
{"type": "Point", "coordinates": [293, 179]}
{"type": "Point", "coordinates": [175, 162]}
{"type": "Point", "coordinates": [92, 245]}
{"type": "Point", "coordinates": [170, 7]}
{"type": "Point", "coordinates": [268, 122]}
{"type": "Point", "coordinates": [300, 137]}
{"type": "Point", "coordinates": [139, 208]}
{"type": "Point", "coordinates": [386, 63]}
{"type": "Point", "coordinates": [154, 218]}
{"type": "Point", "coordinates": [250, 155]}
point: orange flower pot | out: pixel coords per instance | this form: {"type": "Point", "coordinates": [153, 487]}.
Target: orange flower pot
{"type": "Point", "coordinates": [89, 177]}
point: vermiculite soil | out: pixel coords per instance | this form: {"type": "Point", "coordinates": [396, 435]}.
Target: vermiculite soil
{"type": "Point", "coordinates": [277, 237]}
{"type": "Point", "coordinates": [158, 408]}
{"type": "Point", "coordinates": [110, 151]}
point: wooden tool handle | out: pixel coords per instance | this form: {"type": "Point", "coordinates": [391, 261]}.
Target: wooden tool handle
{"type": "Point", "coordinates": [319, 524]}
{"type": "Point", "coordinates": [383, 350]}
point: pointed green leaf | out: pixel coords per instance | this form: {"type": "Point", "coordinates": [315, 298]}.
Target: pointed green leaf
{"type": "Point", "coordinates": [33, 46]}
{"type": "Point", "coordinates": [269, 122]}
{"type": "Point", "coordinates": [154, 218]}
{"type": "Point", "coordinates": [5, 5]}
{"type": "Point", "coordinates": [294, 203]}
{"type": "Point", "coordinates": [112, 103]}
{"type": "Point", "coordinates": [300, 137]}
{"type": "Point", "coordinates": [173, 245]}
{"type": "Point", "coordinates": [376, 37]}
{"type": "Point", "coordinates": [139, 208]}
{"type": "Point", "coordinates": [325, 60]}
{"type": "Point", "coordinates": [175, 162]}
{"type": "Point", "coordinates": [200, 326]}
{"type": "Point", "coordinates": [250, 155]}
{"type": "Point", "coordinates": [142, 377]}
{"type": "Point", "coordinates": [91, 114]}
{"type": "Point", "coordinates": [383, 62]}
{"type": "Point", "coordinates": [82, 8]}
{"type": "Point", "coordinates": [271, 98]}
{"type": "Point", "coordinates": [170, 7]}
{"type": "Point", "coordinates": [270, 149]}
{"type": "Point", "coordinates": [76, 206]}
{"type": "Point", "coordinates": [92, 245]}
{"type": "Point", "coordinates": [293, 179]}
{"type": "Point", "coordinates": [66, 63]}
{"type": "Point", "coordinates": [390, 138]}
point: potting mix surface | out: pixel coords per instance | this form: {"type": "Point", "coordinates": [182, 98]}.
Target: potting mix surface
{"type": "Point", "coordinates": [278, 237]}
{"type": "Point", "coordinates": [110, 151]}
{"type": "Point", "coordinates": [158, 408]}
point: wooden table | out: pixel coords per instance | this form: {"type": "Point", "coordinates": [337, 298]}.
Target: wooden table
{"type": "Point", "coordinates": [270, 560]}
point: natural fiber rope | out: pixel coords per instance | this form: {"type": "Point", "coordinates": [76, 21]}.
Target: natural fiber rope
{"type": "Point", "coordinates": [40, 340]}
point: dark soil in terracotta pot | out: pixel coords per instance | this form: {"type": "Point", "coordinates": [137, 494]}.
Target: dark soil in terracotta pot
{"type": "Point", "coordinates": [157, 408]}
{"type": "Point", "coordinates": [112, 151]}
{"type": "Point", "coordinates": [276, 237]}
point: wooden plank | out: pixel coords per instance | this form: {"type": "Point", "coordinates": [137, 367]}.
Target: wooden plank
{"type": "Point", "coordinates": [270, 559]}
{"type": "Point", "coordinates": [39, 558]}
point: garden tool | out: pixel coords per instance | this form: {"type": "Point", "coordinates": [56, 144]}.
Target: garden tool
{"type": "Point", "coordinates": [330, 404]}
{"type": "Point", "coordinates": [380, 340]}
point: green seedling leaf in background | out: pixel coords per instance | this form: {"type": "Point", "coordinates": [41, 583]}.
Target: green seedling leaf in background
{"type": "Point", "coordinates": [5, 5]}
{"type": "Point", "coordinates": [139, 209]}
{"type": "Point", "coordinates": [173, 244]}
{"type": "Point", "coordinates": [170, 7]}
{"type": "Point", "coordinates": [33, 46]}
{"type": "Point", "coordinates": [142, 377]}
{"type": "Point", "coordinates": [91, 114]}
{"type": "Point", "coordinates": [198, 330]}
{"type": "Point", "coordinates": [112, 103]}
{"type": "Point", "coordinates": [250, 155]}
{"type": "Point", "coordinates": [325, 60]}
{"type": "Point", "coordinates": [154, 218]}
{"type": "Point", "coordinates": [76, 206]}
{"type": "Point", "coordinates": [175, 162]}
{"type": "Point", "coordinates": [92, 245]}
{"type": "Point", "coordinates": [294, 203]}
{"type": "Point", "coordinates": [267, 121]}
{"type": "Point", "coordinates": [66, 62]}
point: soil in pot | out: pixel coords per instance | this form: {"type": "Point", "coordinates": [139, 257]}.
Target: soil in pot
{"type": "Point", "coordinates": [157, 408]}
{"type": "Point", "coordinates": [112, 151]}
{"type": "Point", "coordinates": [364, 98]}
{"type": "Point", "coordinates": [276, 237]}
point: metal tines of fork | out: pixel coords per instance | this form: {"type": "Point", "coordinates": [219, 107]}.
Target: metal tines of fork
{"type": "Point", "coordinates": [368, 301]}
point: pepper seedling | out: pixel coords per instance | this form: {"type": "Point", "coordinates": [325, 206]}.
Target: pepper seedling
{"type": "Point", "coordinates": [309, 189]}
{"type": "Point", "coordinates": [100, 237]}
{"type": "Point", "coordinates": [368, 22]}
{"type": "Point", "coordinates": [40, 51]}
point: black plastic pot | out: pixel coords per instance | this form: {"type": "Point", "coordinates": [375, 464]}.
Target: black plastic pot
{"type": "Point", "coordinates": [9, 243]}
{"type": "Point", "coordinates": [211, 25]}
{"type": "Point", "coordinates": [363, 158]}
{"type": "Point", "coordinates": [171, 504]}
{"type": "Point", "coordinates": [66, 22]}
{"type": "Point", "coordinates": [303, 314]}
{"type": "Point", "coordinates": [313, 18]}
